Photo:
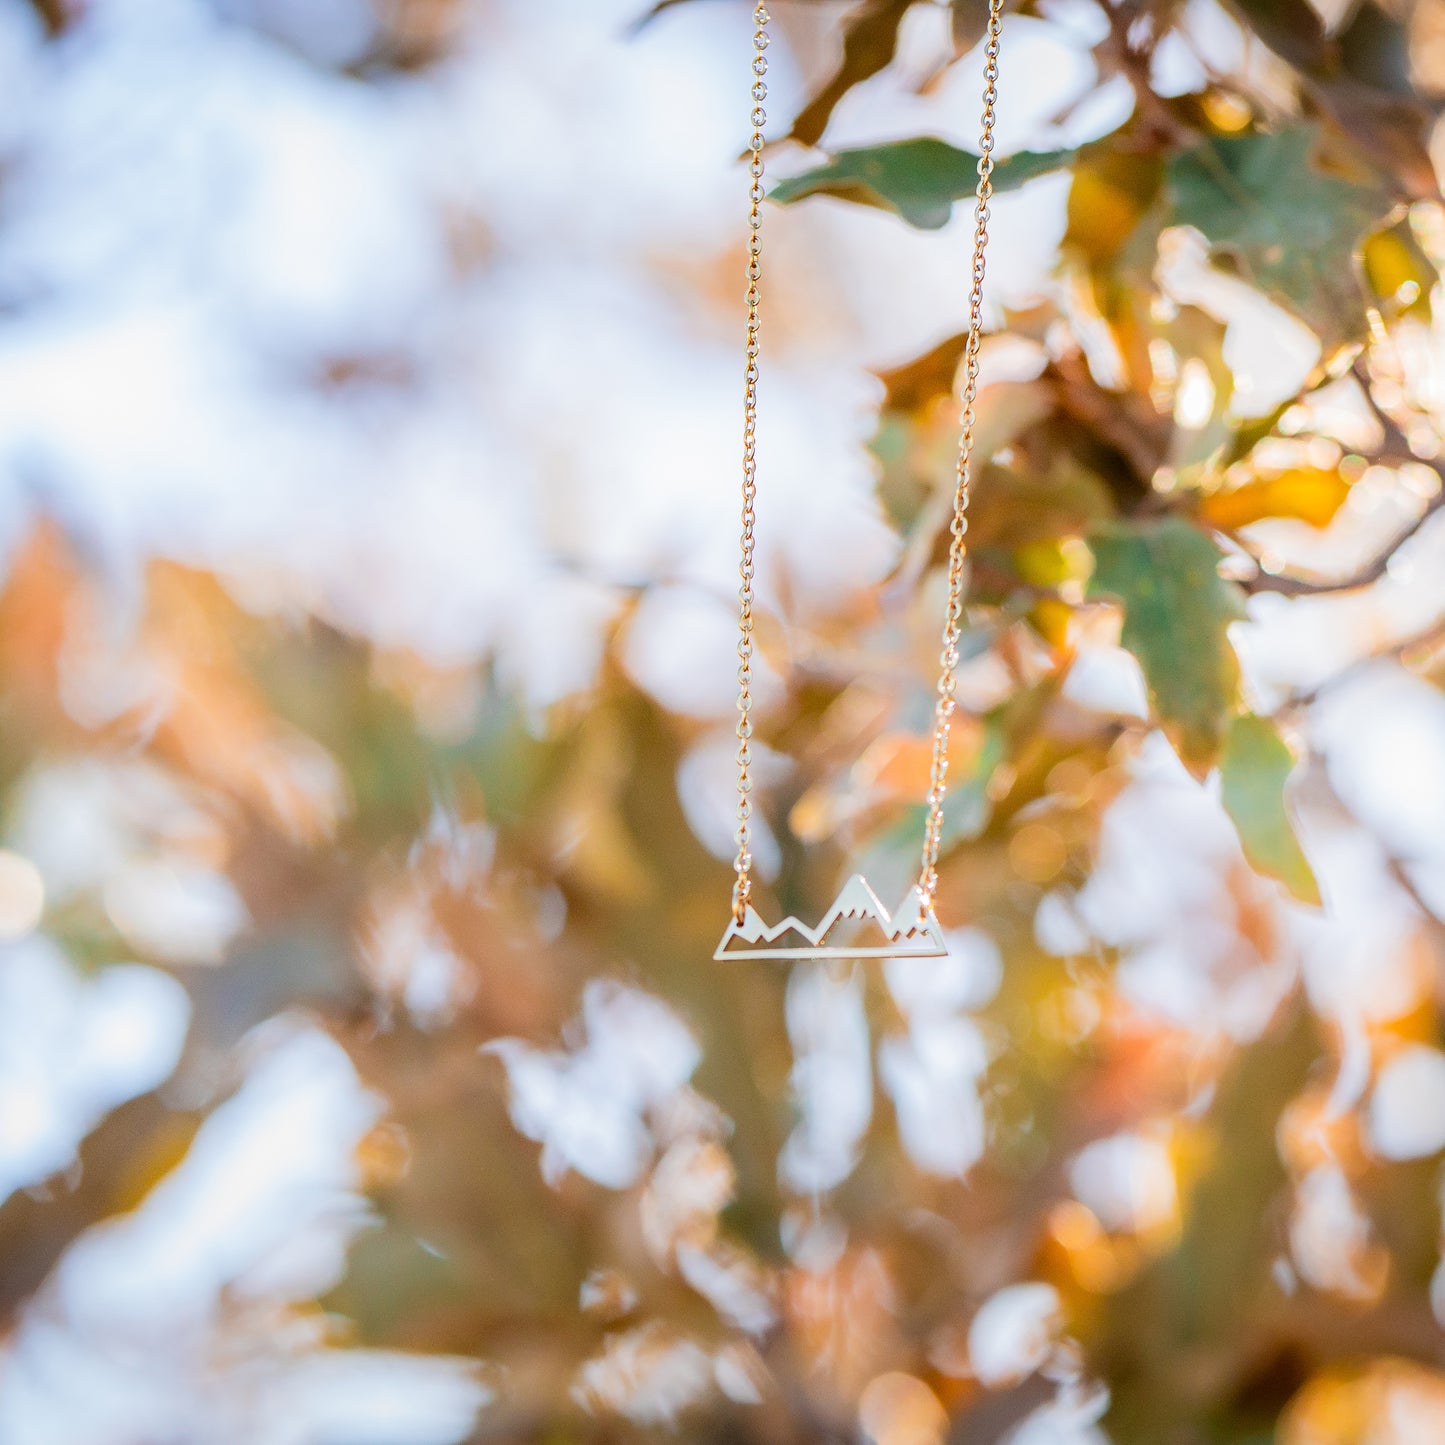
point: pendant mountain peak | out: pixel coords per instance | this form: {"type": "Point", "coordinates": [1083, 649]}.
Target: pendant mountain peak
{"type": "Point", "coordinates": [856, 925]}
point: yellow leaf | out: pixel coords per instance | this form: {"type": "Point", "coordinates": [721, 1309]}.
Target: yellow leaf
{"type": "Point", "coordinates": [1049, 562]}
{"type": "Point", "coordinates": [1310, 494]}
{"type": "Point", "coordinates": [1111, 190]}
{"type": "Point", "coordinates": [1051, 619]}
{"type": "Point", "coordinates": [1399, 271]}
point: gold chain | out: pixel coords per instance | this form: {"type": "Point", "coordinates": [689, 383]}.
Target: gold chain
{"type": "Point", "coordinates": [743, 865]}
{"type": "Point", "coordinates": [946, 703]}
{"type": "Point", "coordinates": [943, 709]}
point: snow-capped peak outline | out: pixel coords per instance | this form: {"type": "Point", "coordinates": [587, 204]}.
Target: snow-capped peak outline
{"type": "Point", "coordinates": [911, 931]}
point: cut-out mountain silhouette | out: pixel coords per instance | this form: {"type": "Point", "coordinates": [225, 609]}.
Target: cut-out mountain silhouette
{"type": "Point", "coordinates": [856, 926]}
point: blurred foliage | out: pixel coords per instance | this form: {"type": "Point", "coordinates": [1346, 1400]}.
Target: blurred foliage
{"type": "Point", "coordinates": [1177, 610]}
{"type": "Point", "coordinates": [369, 805]}
{"type": "Point", "coordinates": [919, 179]}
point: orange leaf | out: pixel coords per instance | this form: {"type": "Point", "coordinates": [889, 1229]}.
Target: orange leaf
{"type": "Point", "coordinates": [1310, 494]}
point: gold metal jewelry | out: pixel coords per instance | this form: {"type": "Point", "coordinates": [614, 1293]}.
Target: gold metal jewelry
{"type": "Point", "coordinates": [857, 925]}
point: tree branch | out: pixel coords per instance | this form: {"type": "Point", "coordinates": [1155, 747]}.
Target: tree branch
{"type": "Point", "coordinates": [1397, 449]}
{"type": "Point", "coordinates": [1290, 586]}
{"type": "Point", "coordinates": [1424, 641]}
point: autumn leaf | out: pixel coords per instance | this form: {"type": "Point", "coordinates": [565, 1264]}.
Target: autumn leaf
{"type": "Point", "coordinates": [915, 383]}
{"type": "Point", "coordinates": [1051, 561]}
{"type": "Point", "coordinates": [1308, 494]}
{"type": "Point", "coordinates": [1291, 28]}
{"type": "Point", "coordinates": [1254, 771]}
{"type": "Point", "coordinates": [1400, 274]}
{"type": "Point", "coordinates": [970, 23]}
{"type": "Point", "coordinates": [1050, 618]}
{"type": "Point", "coordinates": [870, 39]}
{"type": "Point", "coordinates": [869, 42]}
{"type": "Point", "coordinates": [651, 14]}
{"type": "Point", "coordinates": [1110, 192]}
{"type": "Point", "coordinates": [1177, 611]}
{"type": "Point", "coordinates": [919, 179]}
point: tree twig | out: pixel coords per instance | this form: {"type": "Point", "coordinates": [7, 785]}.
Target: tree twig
{"type": "Point", "coordinates": [1428, 637]}
{"type": "Point", "coordinates": [1287, 585]}
{"type": "Point", "coordinates": [1396, 449]}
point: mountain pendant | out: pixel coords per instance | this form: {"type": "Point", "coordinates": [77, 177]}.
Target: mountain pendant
{"type": "Point", "coordinates": [856, 926]}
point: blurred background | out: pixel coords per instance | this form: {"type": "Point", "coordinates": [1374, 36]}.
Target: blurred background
{"type": "Point", "coordinates": [370, 393]}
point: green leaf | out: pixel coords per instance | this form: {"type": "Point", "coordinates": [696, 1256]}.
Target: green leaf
{"type": "Point", "coordinates": [1359, 77]}
{"type": "Point", "coordinates": [1177, 609]}
{"type": "Point", "coordinates": [1254, 770]}
{"type": "Point", "coordinates": [1293, 228]}
{"type": "Point", "coordinates": [919, 179]}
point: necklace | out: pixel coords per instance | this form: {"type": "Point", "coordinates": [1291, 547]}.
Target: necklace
{"type": "Point", "coordinates": [856, 925]}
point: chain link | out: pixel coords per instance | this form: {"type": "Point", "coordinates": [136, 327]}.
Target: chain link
{"type": "Point", "coordinates": [742, 889]}
{"type": "Point", "coordinates": [946, 703]}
